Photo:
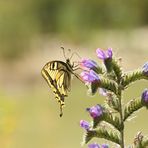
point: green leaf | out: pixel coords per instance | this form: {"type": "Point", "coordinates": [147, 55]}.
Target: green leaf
{"type": "Point", "coordinates": [109, 118]}
{"type": "Point", "coordinates": [102, 133]}
{"type": "Point", "coordinates": [131, 107]}
{"type": "Point", "coordinates": [113, 69]}
{"type": "Point", "coordinates": [93, 87]}
{"type": "Point", "coordinates": [113, 102]}
{"type": "Point", "coordinates": [96, 121]}
{"type": "Point", "coordinates": [103, 83]}
{"type": "Point", "coordinates": [109, 85]}
{"type": "Point", "coordinates": [132, 77]}
{"type": "Point", "coordinates": [117, 70]}
{"type": "Point", "coordinates": [98, 70]}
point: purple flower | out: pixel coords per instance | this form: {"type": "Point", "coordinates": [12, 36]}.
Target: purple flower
{"type": "Point", "coordinates": [84, 124]}
{"type": "Point", "coordinates": [88, 64]}
{"type": "Point", "coordinates": [94, 145]}
{"type": "Point", "coordinates": [144, 97]}
{"type": "Point", "coordinates": [95, 111]}
{"type": "Point", "coordinates": [145, 68]}
{"type": "Point", "coordinates": [105, 146]}
{"type": "Point", "coordinates": [89, 76]}
{"type": "Point", "coordinates": [103, 55]}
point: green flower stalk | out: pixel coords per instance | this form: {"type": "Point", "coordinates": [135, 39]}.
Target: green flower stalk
{"type": "Point", "coordinates": [111, 82]}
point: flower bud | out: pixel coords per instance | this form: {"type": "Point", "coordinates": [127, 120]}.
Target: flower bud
{"type": "Point", "coordinates": [144, 97]}
{"type": "Point", "coordinates": [95, 111]}
{"type": "Point", "coordinates": [145, 68]}
{"type": "Point", "coordinates": [84, 124]}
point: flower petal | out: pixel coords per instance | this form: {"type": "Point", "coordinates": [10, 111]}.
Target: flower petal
{"type": "Point", "coordinates": [88, 63]}
{"type": "Point", "coordinates": [109, 53]}
{"type": "Point", "coordinates": [101, 54]}
{"type": "Point", "coordinates": [89, 76]}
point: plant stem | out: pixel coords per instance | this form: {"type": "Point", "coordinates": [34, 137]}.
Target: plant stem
{"type": "Point", "coordinates": [121, 117]}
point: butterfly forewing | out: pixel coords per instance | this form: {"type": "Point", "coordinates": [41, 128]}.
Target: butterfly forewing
{"type": "Point", "coordinates": [58, 76]}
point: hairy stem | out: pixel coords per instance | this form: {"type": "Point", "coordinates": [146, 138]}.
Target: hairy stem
{"type": "Point", "coordinates": [121, 117]}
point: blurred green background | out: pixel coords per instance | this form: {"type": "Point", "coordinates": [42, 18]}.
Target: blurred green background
{"type": "Point", "coordinates": [31, 34]}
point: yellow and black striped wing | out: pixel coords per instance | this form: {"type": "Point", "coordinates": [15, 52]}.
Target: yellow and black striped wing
{"type": "Point", "coordinates": [58, 77]}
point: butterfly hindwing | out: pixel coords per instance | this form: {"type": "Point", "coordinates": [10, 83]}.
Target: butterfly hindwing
{"type": "Point", "coordinates": [58, 76]}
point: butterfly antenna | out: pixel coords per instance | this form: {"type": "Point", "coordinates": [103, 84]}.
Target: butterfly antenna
{"type": "Point", "coordinates": [63, 52]}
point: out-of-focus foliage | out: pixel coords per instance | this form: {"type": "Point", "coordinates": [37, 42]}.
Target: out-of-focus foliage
{"type": "Point", "coordinates": [21, 21]}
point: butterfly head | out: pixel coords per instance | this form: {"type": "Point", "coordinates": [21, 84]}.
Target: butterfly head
{"type": "Point", "coordinates": [68, 61]}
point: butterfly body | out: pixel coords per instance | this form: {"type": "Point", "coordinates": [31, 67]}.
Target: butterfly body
{"type": "Point", "coordinates": [58, 76]}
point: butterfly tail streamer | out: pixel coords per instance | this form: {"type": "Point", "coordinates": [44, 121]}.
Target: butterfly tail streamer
{"type": "Point", "coordinates": [61, 110]}
{"type": "Point", "coordinates": [61, 105]}
{"type": "Point", "coordinates": [61, 102]}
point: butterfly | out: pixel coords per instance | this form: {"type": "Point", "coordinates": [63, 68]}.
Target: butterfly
{"type": "Point", "coordinates": [58, 76]}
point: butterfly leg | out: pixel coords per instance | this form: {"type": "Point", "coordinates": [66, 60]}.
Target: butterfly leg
{"type": "Point", "coordinates": [76, 67]}
{"type": "Point", "coordinates": [78, 77]}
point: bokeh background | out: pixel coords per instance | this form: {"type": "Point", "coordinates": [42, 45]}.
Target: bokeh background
{"type": "Point", "coordinates": [31, 34]}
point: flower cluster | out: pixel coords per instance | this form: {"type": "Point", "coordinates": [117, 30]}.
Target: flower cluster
{"type": "Point", "coordinates": [89, 66]}
{"type": "Point", "coordinates": [111, 82]}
